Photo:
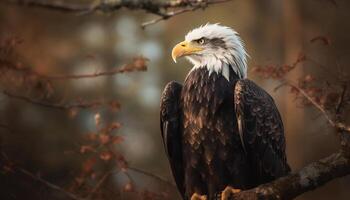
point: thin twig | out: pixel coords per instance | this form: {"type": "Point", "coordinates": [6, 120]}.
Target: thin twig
{"type": "Point", "coordinates": [138, 64]}
{"type": "Point", "coordinates": [82, 76]}
{"type": "Point", "coordinates": [82, 105]}
{"type": "Point", "coordinates": [99, 183]}
{"type": "Point", "coordinates": [339, 125]}
{"type": "Point", "coordinates": [193, 7]}
{"type": "Point", "coordinates": [341, 99]}
{"type": "Point", "coordinates": [48, 184]}
{"type": "Point", "coordinates": [167, 16]}
{"type": "Point", "coordinates": [168, 183]}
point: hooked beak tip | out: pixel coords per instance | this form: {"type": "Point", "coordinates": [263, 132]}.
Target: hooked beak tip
{"type": "Point", "coordinates": [174, 59]}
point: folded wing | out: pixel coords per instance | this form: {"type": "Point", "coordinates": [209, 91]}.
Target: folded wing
{"type": "Point", "coordinates": [170, 119]}
{"type": "Point", "coordinates": [261, 130]}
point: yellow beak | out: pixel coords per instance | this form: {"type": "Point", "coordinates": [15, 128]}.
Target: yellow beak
{"type": "Point", "coordinates": [184, 48]}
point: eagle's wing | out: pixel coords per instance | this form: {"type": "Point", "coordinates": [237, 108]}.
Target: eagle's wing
{"type": "Point", "coordinates": [170, 119]}
{"type": "Point", "coordinates": [261, 130]}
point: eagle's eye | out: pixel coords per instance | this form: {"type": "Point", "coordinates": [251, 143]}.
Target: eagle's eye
{"type": "Point", "coordinates": [200, 41]}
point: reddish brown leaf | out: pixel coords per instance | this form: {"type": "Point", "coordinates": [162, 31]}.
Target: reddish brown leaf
{"type": "Point", "coordinates": [106, 155]}
{"type": "Point", "coordinates": [104, 138]}
{"type": "Point", "coordinates": [114, 125]}
{"type": "Point", "coordinates": [128, 187]}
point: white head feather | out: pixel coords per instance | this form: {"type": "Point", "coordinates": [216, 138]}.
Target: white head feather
{"type": "Point", "coordinates": [218, 59]}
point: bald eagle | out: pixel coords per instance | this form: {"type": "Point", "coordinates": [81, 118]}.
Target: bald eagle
{"type": "Point", "coordinates": [221, 131]}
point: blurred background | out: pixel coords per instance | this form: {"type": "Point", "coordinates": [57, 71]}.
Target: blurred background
{"type": "Point", "coordinates": [47, 142]}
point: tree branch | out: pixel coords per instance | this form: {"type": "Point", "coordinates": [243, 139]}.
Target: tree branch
{"type": "Point", "coordinates": [310, 177]}
{"type": "Point", "coordinates": [155, 7]}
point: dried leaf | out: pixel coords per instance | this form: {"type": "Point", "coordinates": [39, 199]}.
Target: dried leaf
{"type": "Point", "coordinates": [128, 187]}
{"type": "Point", "coordinates": [104, 138]}
{"type": "Point", "coordinates": [106, 155]}
{"type": "Point", "coordinates": [114, 125]}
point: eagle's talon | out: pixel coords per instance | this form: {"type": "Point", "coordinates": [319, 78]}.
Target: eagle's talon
{"type": "Point", "coordinates": [196, 196]}
{"type": "Point", "coordinates": [228, 191]}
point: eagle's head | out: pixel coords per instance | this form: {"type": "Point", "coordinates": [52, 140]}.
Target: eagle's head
{"type": "Point", "coordinates": [215, 47]}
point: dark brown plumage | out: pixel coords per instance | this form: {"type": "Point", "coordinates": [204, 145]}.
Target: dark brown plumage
{"type": "Point", "coordinates": [218, 133]}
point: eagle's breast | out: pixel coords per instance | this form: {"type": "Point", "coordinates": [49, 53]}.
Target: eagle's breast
{"type": "Point", "coordinates": [210, 133]}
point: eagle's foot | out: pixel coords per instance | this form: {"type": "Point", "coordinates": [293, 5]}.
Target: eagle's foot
{"type": "Point", "coordinates": [228, 191]}
{"type": "Point", "coordinates": [196, 196]}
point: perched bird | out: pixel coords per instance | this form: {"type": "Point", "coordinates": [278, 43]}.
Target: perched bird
{"type": "Point", "coordinates": [222, 132]}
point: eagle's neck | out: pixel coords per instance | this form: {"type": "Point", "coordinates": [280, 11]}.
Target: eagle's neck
{"type": "Point", "coordinates": [222, 64]}
{"type": "Point", "coordinates": [226, 71]}
{"type": "Point", "coordinates": [215, 66]}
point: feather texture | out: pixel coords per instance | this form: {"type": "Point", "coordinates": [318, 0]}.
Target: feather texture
{"type": "Point", "coordinates": [262, 130]}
